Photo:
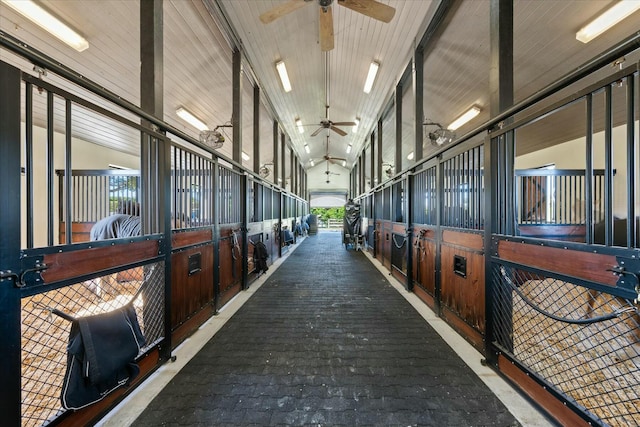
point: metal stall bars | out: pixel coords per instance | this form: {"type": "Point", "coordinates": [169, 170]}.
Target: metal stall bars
{"type": "Point", "coordinates": [563, 306]}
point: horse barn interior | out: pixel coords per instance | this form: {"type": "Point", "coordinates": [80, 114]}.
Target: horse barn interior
{"type": "Point", "coordinates": [174, 115]}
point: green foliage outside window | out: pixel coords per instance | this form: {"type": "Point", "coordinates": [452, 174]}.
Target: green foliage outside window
{"type": "Point", "coordinates": [325, 214]}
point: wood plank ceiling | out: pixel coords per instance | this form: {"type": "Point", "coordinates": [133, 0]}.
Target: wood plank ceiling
{"type": "Point", "coordinates": [197, 55]}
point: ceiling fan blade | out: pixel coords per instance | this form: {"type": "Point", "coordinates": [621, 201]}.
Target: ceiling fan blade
{"type": "Point", "coordinates": [281, 10]}
{"type": "Point", "coordinates": [326, 29]}
{"type": "Point", "coordinates": [338, 131]}
{"type": "Point", "coordinates": [317, 131]}
{"type": "Point", "coordinates": [371, 8]}
{"type": "Point", "coordinates": [344, 123]}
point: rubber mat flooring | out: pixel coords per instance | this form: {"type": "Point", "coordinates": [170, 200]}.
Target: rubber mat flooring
{"type": "Point", "coordinates": [326, 341]}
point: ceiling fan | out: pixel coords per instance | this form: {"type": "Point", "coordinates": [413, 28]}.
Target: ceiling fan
{"type": "Point", "coordinates": [371, 8]}
{"type": "Point", "coordinates": [328, 124]}
{"type": "Point", "coordinates": [331, 159]}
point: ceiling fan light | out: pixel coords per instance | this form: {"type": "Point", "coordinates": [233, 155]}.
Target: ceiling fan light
{"type": "Point", "coordinates": [354, 129]}
{"type": "Point", "coordinates": [464, 118]}
{"type": "Point", "coordinates": [284, 76]}
{"type": "Point", "coordinates": [410, 156]}
{"type": "Point", "coordinates": [306, 148]}
{"type": "Point", "coordinates": [49, 23]}
{"type": "Point", "coordinates": [371, 76]}
{"type": "Point", "coordinates": [608, 19]}
{"type": "Point", "coordinates": [349, 147]}
{"type": "Point", "coordinates": [191, 119]}
{"type": "Point", "coordinates": [299, 124]}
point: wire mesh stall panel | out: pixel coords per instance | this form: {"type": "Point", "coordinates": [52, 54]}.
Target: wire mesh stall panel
{"type": "Point", "coordinates": [581, 343]}
{"type": "Point", "coordinates": [66, 273]}
{"type": "Point", "coordinates": [564, 268]}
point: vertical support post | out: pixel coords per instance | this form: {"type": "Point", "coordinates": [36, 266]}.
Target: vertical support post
{"type": "Point", "coordinates": [276, 163]}
{"type": "Point", "coordinates": [408, 197]}
{"type": "Point", "coordinates": [155, 154]}
{"type": "Point", "coordinates": [372, 155]}
{"type": "Point", "coordinates": [398, 102]}
{"type": "Point", "coordinates": [283, 153]}
{"type": "Point", "coordinates": [216, 234]}
{"type": "Point", "coordinates": [588, 170]}
{"type": "Point", "coordinates": [631, 163]}
{"type": "Point", "coordinates": [10, 348]}
{"type": "Point", "coordinates": [608, 166]}
{"type": "Point", "coordinates": [418, 99]}
{"type": "Point", "coordinates": [501, 87]}
{"type": "Point", "coordinates": [244, 190]}
{"type": "Point", "coordinates": [379, 133]}
{"type": "Point", "coordinates": [256, 128]}
{"type": "Point", "coordinates": [291, 179]}
{"type": "Point", "coordinates": [236, 117]}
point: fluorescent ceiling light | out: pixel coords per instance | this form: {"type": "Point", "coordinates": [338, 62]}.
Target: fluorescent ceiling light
{"type": "Point", "coordinates": [49, 23]}
{"type": "Point", "coordinates": [349, 148]}
{"type": "Point", "coordinates": [306, 148]}
{"type": "Point", "coordinates": [373, 70]}
{"type": "Point", "coordinates": [463, 119]}
{"type": "Point", "coordinates": [245, 156]}
{"type": "Point", "coordinates": [354, 129]}
{"type": "Point", "coordinates": [284, 77]}
{"type": "Point", "coordinates": [410, 156]}
{"type": "Point", "coordinates": [191, 119]}
{"type": "Point", "coordinates": [311, 163]}
{"type": "Point", "coordinates": [607, 20]}
{"type": "Point", "coordinates": [299, 124]}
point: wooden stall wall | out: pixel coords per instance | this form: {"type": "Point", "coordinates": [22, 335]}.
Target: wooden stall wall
{"type": "Point", "coordinates": [230, 253]}
{"type": "Point", "coordinates": [192, 287]}
{"type": "Point", "coordinates": [462, 283]}
{"type": "Point", "coordinates": [397, 250]}
{"type": "Point", "coordinates": [424, 264]}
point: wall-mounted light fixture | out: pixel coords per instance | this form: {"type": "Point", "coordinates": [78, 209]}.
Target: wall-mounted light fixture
{"type": "Point", "coordinates": [306, 148]}
{"type": "Point", "coordinates": [410, 156]}
{"type": "Point", "coordinates": [344, 163]}
{"type": "Point", "coordinates": [284, 77]}
{"type": "Point", "coordinates": [311, 163]}
{"type": "Point", "coordinates": [354, 129]}
{"type": "Point", "coordinates": [371, 76]}
{"type": "Point", "coordinates": [245, 156]}
{"type": "Point", "coordinates": [191, 119]}
{"type": "Point", "coordinates": [49, 23]}
{"type": "Point", "coordinates": [349, 147]}
{"type": "Point", "coordinates": [464, 118]}
{"type": "Point", "coordinates": [299, 124]}
{"type": "Point", "coordinates": [606, 20]}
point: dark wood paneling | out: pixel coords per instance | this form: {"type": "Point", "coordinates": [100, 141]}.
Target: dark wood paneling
{"type": "Point", "coordinates": [584, 265]}
{"type": "Point", "coordinates": [571, 233]}
{"type": "Point", "coordinates": [189, 293]}
{"type": "Point", "coordinates": [463, 328]}
{"type": "Point", "coordinates": [183, 331]}
{"type": "Point", "coordinates": [538, 394]}
{"type": "Point", "coordinates": [230, 292]}
{"type": "Point", "coordinates": [67, 265]}
{"type": "Point", "coordinates": [464, 295]}
{"type": "Point", "coordinates": [379, 239]}
{"type": "Point", "coordinates": [191, 237]}
{"type": "Point", "coordinates": [92, 413]}
{"type": "Point", "coordinates": [80, 232]}
{"type": "Point", "coordinates": [424, 262]}
{"type": "Point", "coordinates": [424, 296]}
{"type": "Point", "coordinates": [399, 228]}
{"type": "Point", "coordinates": [467, 240]}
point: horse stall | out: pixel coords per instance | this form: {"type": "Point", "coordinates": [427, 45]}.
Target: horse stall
{"type": "Point", "coordinates": [564, 268]}
{"type": "Point", "coordinates": [163, 239]}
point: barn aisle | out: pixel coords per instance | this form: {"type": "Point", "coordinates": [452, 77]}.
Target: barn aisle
{"type": "Point", "coordinates": [326, 340]}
